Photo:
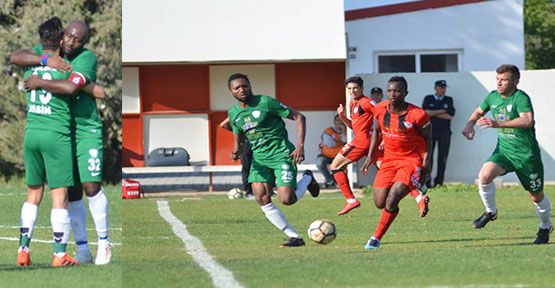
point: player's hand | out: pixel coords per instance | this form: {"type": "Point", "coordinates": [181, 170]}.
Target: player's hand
{"type": "Point", "coordinates": [484, 122]}
{"type": "Point", "coordinates": [341, 110]}
{"type": "Point", "coordinates": [381, 146]}
{"type": "Point", "coordinates": [234, 155]}
{"type": "Point", "coordinates": [468, 131]}
{"type": "Point", "coordinates": [297, 155]}
{"type": "Point", "coordinates": [366, 166]}
{"type": "Point", "coordinates": [58, 63]}
{"type": "Point", "coordinates": [32, 83]}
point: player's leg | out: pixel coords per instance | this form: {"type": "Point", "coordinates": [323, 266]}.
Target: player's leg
{"type": "Point", "coordinates": [486, 188]}
{"type": "Point", "coordinates": [337, 167]}
{"type": "Point", "coordinates": [59, 218]}
{"type": "Point", "coordinates": [262, 178]}
{"type": "Point", "coordinates": [78, 220]}
{"type": "Point", "coordinates": [531, 177]}
{"type": "Point", "coordinates": [246, 159]}
{"type": "Point", "coordinates": [90, 160]}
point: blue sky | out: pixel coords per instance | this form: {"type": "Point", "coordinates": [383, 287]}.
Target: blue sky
{"type": "Point", "coordinates": [359, 4]}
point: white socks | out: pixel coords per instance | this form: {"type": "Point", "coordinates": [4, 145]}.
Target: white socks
{"type": "Point", "coordinates": [59, 218]}
{"type": "Point", "coordinates": [487, 193]}
{"type": "Point", "coordinates": [98, 204]}
{"type": "Point", "coordinates": [78, 217]}
{"type": "Point", "coordinates": [543, 210]}
{"type": "Point", "coordinates": [302, 186]}
{"type": "Point", "coordinates": [28, 218]}
{"type": "Point", "coordinates": [277, 218]}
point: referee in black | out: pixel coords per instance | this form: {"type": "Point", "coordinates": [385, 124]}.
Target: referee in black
{"type": "Point", "coordinates": [441, 111]}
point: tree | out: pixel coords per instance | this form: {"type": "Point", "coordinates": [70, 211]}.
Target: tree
{"type": "Point", "coordinates": [18, 30]}
{"type": "Point", "coordinates": [539, 30]}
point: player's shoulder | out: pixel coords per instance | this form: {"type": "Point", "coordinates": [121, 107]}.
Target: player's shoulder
{"type": "Point", "coordinates": [382, 104]}
{"type": "Point", "coordinates": [85, 55]}
{"type": "Point", "coordinates": [414, 109]}
{"type": "Point", "coordinates": [520, 93]}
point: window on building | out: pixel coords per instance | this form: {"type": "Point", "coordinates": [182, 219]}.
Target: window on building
{"type": "Point", "coordinates": [418, 62]}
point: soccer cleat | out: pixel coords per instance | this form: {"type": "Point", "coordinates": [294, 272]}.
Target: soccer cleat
{"type": "Point", "coordinates": [84, 256]}
{"type": "Point", "coordinates": [293, 242]}
{"type": "Point", "coordinates": [484, 219]}
{"type": "Point", "coordinates": [103, 254]}
{"type": "Point", "coordinates": [373, 244]}
{"type": "Point", "coordinates": [313, 186]}
{"type": "Point", "coordinates": [348, 207]}
{"type": "Point", "coordinates": [423, 205]}
{"type": "Point", "coordinates": [543, 235]}
{"type": "Point", "coordinates": [23, 258]}
{"type": "Point", "coordinates": [65, 260]}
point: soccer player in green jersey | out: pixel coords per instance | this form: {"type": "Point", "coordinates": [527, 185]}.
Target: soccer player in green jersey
{"type": "Point", "coordinates": [87, 137]}
{"type": "Point", "coordinates": [47, 152]}
{"type": "Point", "coordinates": [517, 148]}
{"type": "Point", "coordinates": [259, 118]}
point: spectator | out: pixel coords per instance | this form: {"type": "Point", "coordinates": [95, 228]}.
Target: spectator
{"type": "Point", "coordinates": [441, 111]}
{"type": "Point", "coordinates": [333, 140]}
{"type": "Point", "coordinates": [376, 94]}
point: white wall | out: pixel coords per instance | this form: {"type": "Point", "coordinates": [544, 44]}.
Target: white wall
{"type": "Point", "coordinates": [241, 30]}
{"type": "Point", "coordinates": [262, 77]}
{"type": "Point", "coordinates": [488, 33]}
{"type": "Point", "coordinates": [468, 90]}
{"type": "Point", "coordinates": [130, 101]}
{"type": "Point", "coordinates": [186, 131]}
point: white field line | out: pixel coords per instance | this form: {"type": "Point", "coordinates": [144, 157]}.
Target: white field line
{"type": "Point", "coordinates": [48, 227]}
{"type": "Point", "coordinates": [49, 241]}
{"type": "Point", "coordinates": [220, 276]}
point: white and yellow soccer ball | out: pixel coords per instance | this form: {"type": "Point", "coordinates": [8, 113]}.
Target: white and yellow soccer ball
{"type": "Point", "coordinates": [322, 231]}
{"type": "Point", "coordinates": [235, 193]}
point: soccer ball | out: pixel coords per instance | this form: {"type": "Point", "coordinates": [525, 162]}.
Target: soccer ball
{"type": "Point", "coordinates": [235, 193]}
{"type": "Point", "coordinates": [322, 231]}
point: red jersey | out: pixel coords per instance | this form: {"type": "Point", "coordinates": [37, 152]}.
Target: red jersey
{"type": "Point", "coordinates": [362, 118]}
{"type": "Point", "coordinates": [401, 132]}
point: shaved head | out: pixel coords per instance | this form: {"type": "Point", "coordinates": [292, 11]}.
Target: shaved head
{"type": "Point", "coordinates": [76, 35]}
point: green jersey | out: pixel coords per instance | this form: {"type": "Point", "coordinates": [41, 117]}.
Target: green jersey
{"type": "Point", "coordinates": [261, 122]}
{"type": "Point", "coordinates": [86, 120]}
{"type": "Point", "coordinates": [516, 143]}
{"type": "Point", "coordinates": [47, 111]}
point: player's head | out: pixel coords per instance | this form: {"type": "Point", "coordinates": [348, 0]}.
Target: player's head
{"type": "Point", "coordinates": [397, 89]}
{"type": "Point", "coordinates": [240, 87]}
{"type": "Point", "coordinates": [354, 86]}
{"type": "Point", "coordinates": [507, 78]}
{"type": "Point", "coordinates": [76, 35]}
{"type": "Point", "coordinates": [51, 32]}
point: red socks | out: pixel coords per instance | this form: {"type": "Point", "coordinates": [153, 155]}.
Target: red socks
{"type": "Point", "coordinates": [343, 183]}
{"type": "Point", "coordinates": [385, 220]}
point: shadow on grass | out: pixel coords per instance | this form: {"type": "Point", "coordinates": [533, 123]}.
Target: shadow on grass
{"type": "Point", "coordinates": [14, 267]}
{"type": "Point", "coordinates": [463, 240]}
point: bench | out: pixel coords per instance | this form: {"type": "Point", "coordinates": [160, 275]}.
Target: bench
{"type": "Point", "coordinates": [198, 169]}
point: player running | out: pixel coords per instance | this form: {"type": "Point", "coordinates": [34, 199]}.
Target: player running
{"type": "Point", "coordinates": [259, 118]}
{"type": "Point", "coordinates": [87, 138]}
{"type": "Point", "coordinates": [406, 133]}
{"type": "Point", "coordinates": [517, 148]}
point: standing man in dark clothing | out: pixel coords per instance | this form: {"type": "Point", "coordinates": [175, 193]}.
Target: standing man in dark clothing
{"type": "Point", "coordinates": [441, 110]}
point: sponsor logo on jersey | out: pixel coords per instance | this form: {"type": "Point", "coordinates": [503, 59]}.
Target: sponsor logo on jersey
{"type": "Point", "coordinates": [256, 114]}
{"type": "Point", "coordinates": [501, 117]}
{"type": "Point", "coordinates": [493, 106]}
{"type": "Point", "coordinates": [509, 107]}
{"type": "Point", "coordinates": [355, 110]}
{"type": "Point", "coordinates": [407, 124]}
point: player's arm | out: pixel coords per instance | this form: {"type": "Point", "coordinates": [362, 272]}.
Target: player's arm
{"type": "Point", "coordinates": [237, 146]}
{"type": "Point", "coordinates": [75, 82]}
{"type": "Point", "coordinates": [226, 124]}
{"type": "Point", "coordinates": [95, 90]}
{"type": "Point", "coordinates": [468, 131]}
{"type": "Point", "coordinates": [343, 116]}
{"type": "Point", "coordinates": [300, 123]}
{"type": "Point", "coordinates": [426, 132]}
{"type": "Point", "coordinates": [26, 58]}
{"type": "Point", "coordinates": [525, 120]}
{"type": "Point", "coordinates": [375, 141]}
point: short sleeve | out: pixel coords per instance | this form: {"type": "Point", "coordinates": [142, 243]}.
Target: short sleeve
{"type": "Point", "coordinates": [232, 115]}
{"type": "Point", "coordinates": [485, 106]}
{"type": "Point", "coordinates": [369, 106]}
{"type": "Point", "coordinates": [85, 65]}
{"type": "Point", "coordinates": [37, 49]}
{"type": "Point", "coordinates": [277, 108]}
{"type": "Point", "coordinates": [523, 104]}
{"type": "Point", "coordinates": [422, 119]}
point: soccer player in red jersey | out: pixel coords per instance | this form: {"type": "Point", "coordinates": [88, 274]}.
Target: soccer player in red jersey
{"type": "Point", "coordinates": [362, 117]}
{"type": "Point", "coordinates": [406, 132]}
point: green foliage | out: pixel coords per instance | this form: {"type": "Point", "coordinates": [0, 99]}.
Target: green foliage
{"type": "Point", "coordinates": [539, 30]}
{"type": "Point", "coordinates": [19, 21]}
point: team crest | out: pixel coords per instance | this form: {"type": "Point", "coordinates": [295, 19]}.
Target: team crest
{"type": "Point", "coordinates": [256, 114]}
{"type": "Point", "coordinates": [93, 153]}
{"type": "Point", "coordinates": [355, 110]}
{"type": "Point", "coordinates": [407, 124]}
{"type": "Point", "coordinates": [533, 176]}
{"type": "Point", "coordinates": [509, 107]}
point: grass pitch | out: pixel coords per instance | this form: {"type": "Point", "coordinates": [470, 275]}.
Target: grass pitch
{"type": "Point", "coordinates": [441, 250]}
{"type": "Point", "coordinates": [40, 274]}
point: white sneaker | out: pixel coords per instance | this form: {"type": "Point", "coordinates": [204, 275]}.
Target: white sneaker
{"type": "Point", "coordinates": [84, 256]}
{"type": "Point", "coordinates": [104, 254]}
